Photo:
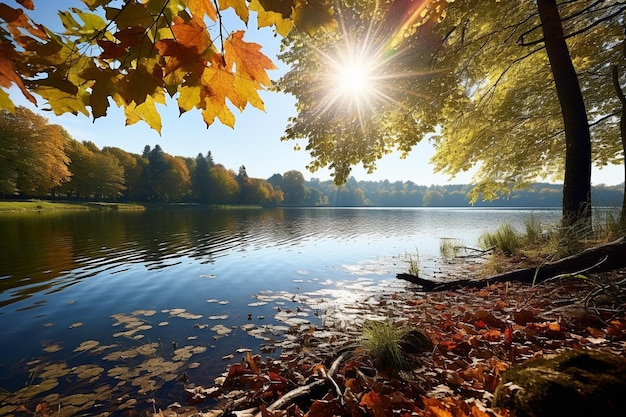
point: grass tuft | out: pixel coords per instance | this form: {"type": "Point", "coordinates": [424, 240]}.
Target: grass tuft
{"type": "Point", "coordinates": [381, 339]}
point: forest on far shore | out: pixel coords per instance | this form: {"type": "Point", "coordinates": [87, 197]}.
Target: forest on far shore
{"type": "Point", "coordinates": [42, 160]}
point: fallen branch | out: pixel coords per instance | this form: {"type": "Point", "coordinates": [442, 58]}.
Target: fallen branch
{"type": "Point", "coordinates": [292, 395]}
{"type": "Point", "coordinates": [602, 258]}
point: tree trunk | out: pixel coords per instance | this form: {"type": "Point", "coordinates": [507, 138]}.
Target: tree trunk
{"type": "Point", "coordinates": [577, 182]}
{"type": "Point", "coordinates": [622, 131]}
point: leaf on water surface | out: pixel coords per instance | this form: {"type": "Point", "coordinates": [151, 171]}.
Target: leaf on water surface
{"type": "Point", "coordinates": [75, 325]}
{"type": "Point", "coordinates": [220, 317]}
{"type": "Point", "coordinates": [87, 371]}
{"type": "Point", "coordinates": [52, 348]}
{"type": "Point", "coordinates": [221, 330]}
{"type": "Point", "coordinates": [210, 276]}
{"type": "Point", "coordinates": [55, 370]}
{"type": "Point", "coordinates": [163, 323]}
{"type": "Point", "coordinates": [87, 345]}
{"type": "Point", "coordinates": [146, 313]}
{"type": "Point", "coordinates": [258, 304]}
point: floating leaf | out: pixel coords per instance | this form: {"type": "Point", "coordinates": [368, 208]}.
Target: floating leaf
{"type": "Point", "coordinates": [52, 348]}
{"type": "Point", "coordinates": [87, 345]}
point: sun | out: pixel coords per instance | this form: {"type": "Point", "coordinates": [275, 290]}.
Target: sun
{"type": "Point", "coordinates": [354, 79]}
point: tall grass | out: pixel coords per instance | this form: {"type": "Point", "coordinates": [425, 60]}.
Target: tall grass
{"type": "Point", "coordinates": [413, 261]}
{"type": "Point", "coordinates": [506, 239]}
{"type": "Point", "coordinates": [548, 240]}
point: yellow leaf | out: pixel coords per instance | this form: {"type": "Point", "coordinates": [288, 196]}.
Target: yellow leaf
{"type": "Point", "coordinates": [216, 108]}
{"type": "Point", "coordinates": [146, 111]}
{"type": "Point", "coordinates": [6, 102]}
{"type": "Point", "coordinates": [248, 89]}
{"type": "Point", "coordinates": [200, 8]}
{"type": "Point", "coordinates": [239, 6]}
{"type": "Point", "coordinates": [271, 18]}
{"type": "Point", "coordinates": [62, 102]}
{"type": "Point", "coordinates": [189, 97]}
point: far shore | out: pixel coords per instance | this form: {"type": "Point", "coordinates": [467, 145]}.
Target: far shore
{"type": "Point", "coordinates": [32, 205]}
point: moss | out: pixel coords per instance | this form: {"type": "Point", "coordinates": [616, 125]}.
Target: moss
{"type": "Point", "coordinates": [574, 383]}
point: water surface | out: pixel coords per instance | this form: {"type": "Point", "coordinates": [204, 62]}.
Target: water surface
{"type": "Point", "coordinates": [213, 280]}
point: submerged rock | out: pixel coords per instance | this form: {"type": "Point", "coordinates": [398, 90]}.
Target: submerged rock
{"type": "Point", "coordinates": [574, 383]}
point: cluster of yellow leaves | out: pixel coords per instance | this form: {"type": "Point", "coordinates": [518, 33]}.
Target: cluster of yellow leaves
{"type": "Point", "coordinates": [135, 54]}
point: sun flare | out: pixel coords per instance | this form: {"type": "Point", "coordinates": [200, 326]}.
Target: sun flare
{"type": "Point", "coordinates": [354, 79]}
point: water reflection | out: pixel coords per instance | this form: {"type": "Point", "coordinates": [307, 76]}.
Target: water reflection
{"type": "Point", "coordinates": [47, 252]}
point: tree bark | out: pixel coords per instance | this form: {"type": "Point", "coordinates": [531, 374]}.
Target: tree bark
{"type": "Point", "coordinates": [601, 258]}
{"type": "Point", "coordinates": [622, 131]}
{"type": "Point", "coordinates": [577, 182]}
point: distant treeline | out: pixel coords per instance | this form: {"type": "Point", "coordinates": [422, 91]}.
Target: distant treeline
{"type": "Point", "coordinates": [41, 160]}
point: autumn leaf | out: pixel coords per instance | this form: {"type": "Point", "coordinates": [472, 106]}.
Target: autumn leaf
{"type": "Point", "coordinates": [200, 8]}
{"type": "Point", "coordinates": [28, 4]}
{"type": "Point", "coordinates": [9, 75]}
{"type": "Point", "coordinates": [17, 20]}
{"type": "Point", "coordinates": [272, 17]}
{"type": "Point", "coordinates": [247, 59]}
{"type": "Point", "coordinates": [146, 112]}
{"type": "Point", "coordinates": [372, 401]}
{"type": "Point", "coordinates": [239, 6]}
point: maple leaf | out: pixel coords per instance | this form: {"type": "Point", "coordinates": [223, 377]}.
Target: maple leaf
{"type": "Point", "coordinates": [239, 6]}
{"type": "Point", "coordinates": [202, 7]}
{"type": "Point", "coordinates": [61, 102]}
{"type": "Point", "coordinates": [216, 108]}
{"type": "Point", "coordinates": [9, 74]}
{"type": "Point", "coordinates": [6, 102]}
{"type": "Point", "coordinates": [28, 4]}
{"type": "Point", "coordinates": [372, 401]}
{"type": "Point", "coordinates": [104, 84]}
{"type": "Point", "coordinates": [247, 59]}
{"type": "Point", "coordinates": [146, 112]}
{"type": "Point", "coordinates": [17, 20]}
{"type": "Point", "coordinates": [271, 17]}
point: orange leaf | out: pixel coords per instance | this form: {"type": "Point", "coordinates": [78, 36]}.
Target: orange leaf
{"type": "Point", "coordinates": [28, 4]}
{"type": "Point", "coordinates": [17, 20]}
{"type": "Point", "coordinates": [8, 72]}
{"type": "Point", "coordinates": [252, 363]}
{"type": "Point", "coordinates": [247, 59]}
{"type": "Point", "coordinates": [554, 326]}
{"type": "Point", "coordinates": [372, 401]}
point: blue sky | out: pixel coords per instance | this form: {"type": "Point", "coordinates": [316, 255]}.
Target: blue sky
{"type": "Point", "coordinates": [255, 140]}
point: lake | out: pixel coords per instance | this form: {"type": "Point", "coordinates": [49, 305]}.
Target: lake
{"type": "Point", "coordinates": [106, 309]}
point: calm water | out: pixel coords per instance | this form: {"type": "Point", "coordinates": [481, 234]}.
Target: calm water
{"type": "Point", "coordinates": [210, 280]}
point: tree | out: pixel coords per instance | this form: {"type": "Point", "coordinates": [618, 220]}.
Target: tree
{"type": "Point", "coordinates": [201, 179]}
{"type": "Point", "coordinates": [95, 174]}
{"type": "Point", "coordinates": [226, 186]}
{"type": "Point", "coordinates": [523, 117]}
{"type": "Point", "coordinates": [293, 187]}
{"type": "Point", "coordinates": [32, 153]}
{"type": "Point", "coordinates": [577, 181]}
{"type": "Point", "coordinates": [493, 95]}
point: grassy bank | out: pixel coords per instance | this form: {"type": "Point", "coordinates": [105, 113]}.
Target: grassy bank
{"type": "Point", "coordinates": [43, 205]}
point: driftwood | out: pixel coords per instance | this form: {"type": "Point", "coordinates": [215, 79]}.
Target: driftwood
{"type": "Point", "coordinates": [602, 258]}
{"type": "Point", "coordinates": [291, 396]}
